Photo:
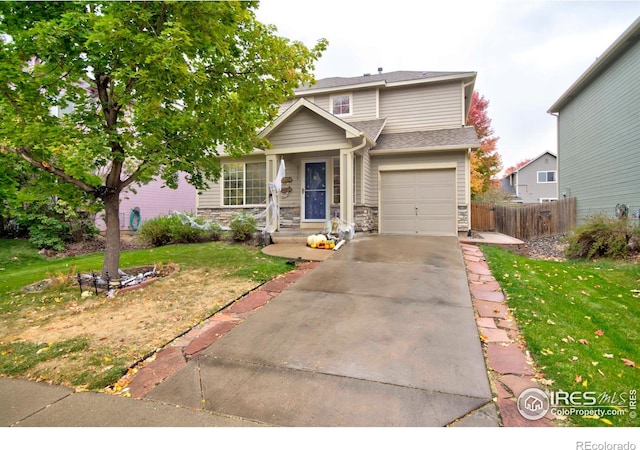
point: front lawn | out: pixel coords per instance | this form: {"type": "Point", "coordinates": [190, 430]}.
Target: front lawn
{"type": "Point", "coordinates": [581, 322]}
{"type": "Point", "coordinates": [89, 341]}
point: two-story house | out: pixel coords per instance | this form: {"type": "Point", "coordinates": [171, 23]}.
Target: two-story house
{"type": "Point", "coordinates": [389, 152]}
{"type": "Point", "coordinates": [534, 182]}
{"type": "Point", "coordinates": [599, 131]}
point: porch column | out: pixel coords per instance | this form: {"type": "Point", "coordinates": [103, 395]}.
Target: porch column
{"type": "Point", "coordinates": [272, 171]}
{"type": "Point", "coordinates": [346, 186]}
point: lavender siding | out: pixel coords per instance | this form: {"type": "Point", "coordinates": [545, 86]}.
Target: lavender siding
{"type": "Point", "coordinates": [153, 201]}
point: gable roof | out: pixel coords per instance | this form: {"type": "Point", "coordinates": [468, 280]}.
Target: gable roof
{"type": "Point", "coordinates": [389, 79]}
{"type": "Point", "coordinates": [455, 138]}
{"type": "Point", "coordinates": [533, 160]}
{"type": "Point", "coordinates": [350, 130]}
{"type": "Point", "coordinates": [629, 38]}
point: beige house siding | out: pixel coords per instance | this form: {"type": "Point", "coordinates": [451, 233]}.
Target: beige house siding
{"type": "Point", "coordinates": [212, 197]}
{"type": "Point", "coordinates": [364, 104]}
{"type": "Point", "coordinates": [428, 107]}
{"type": "Point", "coordinates": [305, 128]}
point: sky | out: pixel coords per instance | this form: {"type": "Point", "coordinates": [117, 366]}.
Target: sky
{"type": "Point", "coordinates": [526, 53]}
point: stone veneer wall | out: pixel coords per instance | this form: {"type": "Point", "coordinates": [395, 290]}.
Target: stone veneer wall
{"type": "Point", "coordinates": [222, 216]}
{"type": "Point", "coordinates": [366, 218]}
{"type": "Point", "coordinates": [289, 217]}
{"type": "Point", "coordinates": [463, 218]}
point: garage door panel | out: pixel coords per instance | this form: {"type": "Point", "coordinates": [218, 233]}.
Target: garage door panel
{"type": "Point", "coordinates": [434, 226]}
{"type": "Point", "coordinates": [418, 202]}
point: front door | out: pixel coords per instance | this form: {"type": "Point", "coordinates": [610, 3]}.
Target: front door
{"type": "Point", "coordinates": [314, 196]}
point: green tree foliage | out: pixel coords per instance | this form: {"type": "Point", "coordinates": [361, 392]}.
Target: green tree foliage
{"type": "Point", "coordinates": [145, 89]}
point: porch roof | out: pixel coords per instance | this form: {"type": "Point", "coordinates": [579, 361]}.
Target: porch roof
{"type": "Point", "coordinates": [372, 128]}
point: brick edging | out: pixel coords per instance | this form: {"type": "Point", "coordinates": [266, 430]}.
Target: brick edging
{"type": "Point", "coordinates": [510, 368]}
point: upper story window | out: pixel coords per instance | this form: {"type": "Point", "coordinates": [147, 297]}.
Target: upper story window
{"type": "Point", "coordinates": [341, 105]}
{"type": "Point", "coordinates": [548, 176]}
{"type": "Point", "coordinates": [244, 184]}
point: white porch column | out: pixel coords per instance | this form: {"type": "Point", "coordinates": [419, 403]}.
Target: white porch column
{"type": "Point", "coordinates": [272, 171]}
{"type": "Point", "coordinates": [346, 186]}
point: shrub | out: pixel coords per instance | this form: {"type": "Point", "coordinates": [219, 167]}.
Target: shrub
{"type": "Point", "coordinates": [52, 224]}
{"type": "Point", "coordinates": [602, 236]}
{"type": "Point", "coordinates": [242, 227]}
{"type": "Point", "coordinates": [173, 229]}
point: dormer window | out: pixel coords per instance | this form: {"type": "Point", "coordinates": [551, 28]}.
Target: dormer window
{"type": "Point", "coordinates": [341, 105]}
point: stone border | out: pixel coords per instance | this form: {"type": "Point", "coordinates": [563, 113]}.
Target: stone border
{"type": "Point", "coordinates": [510, 368]}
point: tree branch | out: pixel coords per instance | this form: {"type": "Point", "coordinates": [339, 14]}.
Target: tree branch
{"type": "Point", "coordinates": [134, 176]}
{"type": "Point", "coordinates": [43, 165]}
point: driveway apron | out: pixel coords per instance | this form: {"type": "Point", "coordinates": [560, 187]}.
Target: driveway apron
{"type": "Point", "coordinates": [380, 334]}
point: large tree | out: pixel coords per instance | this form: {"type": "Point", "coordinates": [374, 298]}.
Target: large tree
{"type": "Point", "coordinates": [141, 89]}
{"type": "Point", "coordinates": [486, 161]}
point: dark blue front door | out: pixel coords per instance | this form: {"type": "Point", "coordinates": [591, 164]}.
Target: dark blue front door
{"type": "Point", "coordinates": [315, 191]}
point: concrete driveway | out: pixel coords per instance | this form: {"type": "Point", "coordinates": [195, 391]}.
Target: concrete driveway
{"type": "Point", "coordinates": [380, 334]}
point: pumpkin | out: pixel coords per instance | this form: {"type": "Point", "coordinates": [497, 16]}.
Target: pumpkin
{"type": "Point", "coordinates": [314, 239]}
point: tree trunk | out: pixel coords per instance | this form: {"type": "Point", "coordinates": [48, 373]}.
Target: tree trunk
{"type": "Point", "coordinates": [111, 261]}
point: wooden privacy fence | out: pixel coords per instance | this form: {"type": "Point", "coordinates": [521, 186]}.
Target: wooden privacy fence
{"type": "Point", "coordinates": [525, 221]}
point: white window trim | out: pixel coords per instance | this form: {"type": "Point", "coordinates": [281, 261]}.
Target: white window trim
{"type": "Point", "coordinates": [546, 171]}
{"type": "Point", "coordinates": [244, 187]}
{"type": "Point", "coordinates": [350, 113]}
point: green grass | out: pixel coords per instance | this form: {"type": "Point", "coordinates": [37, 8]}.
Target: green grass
{"type": "Point", "coordinates": [581, 321]}
{"type": "Point", "coordinates": [20, 264]}
{"type": "Point", "coordinates": [77, 361]}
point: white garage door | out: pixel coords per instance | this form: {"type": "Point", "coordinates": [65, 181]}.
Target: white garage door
{"type": "Point", "coordinates": [418, 202]}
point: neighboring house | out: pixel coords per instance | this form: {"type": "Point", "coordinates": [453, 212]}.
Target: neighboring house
{"type": "Point", "coordinates": [152, 200]}
{"type": "Point", "coordinates": [388, 152]}
{"type": "Point", "coordinates": [534, 182]}
{"type": "Point", "coordinates": [599, 131]}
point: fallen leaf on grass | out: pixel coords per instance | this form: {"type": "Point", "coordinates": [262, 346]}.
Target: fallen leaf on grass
{"type": "Point", "coordinates": [628, 362]}
{"type": "Point", "coordinates": [608, 355]}
{"type": "Point", "coordinates": [578, 379]}
{"type": "Point", "coordinates": [607, 421]}
{"type": "Point", "coordinates": [583, 341]}
{"type": "Point", "coordinates": [599, 333]}
{"type": "Point", "coordinates": [550, 322]}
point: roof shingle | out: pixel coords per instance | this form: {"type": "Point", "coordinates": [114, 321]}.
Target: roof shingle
{"type": "Point", "coordinates": [462, 137]}
{"type": "Point", "coordinates": [390, 77]}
